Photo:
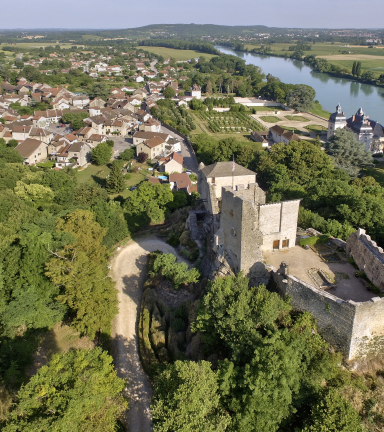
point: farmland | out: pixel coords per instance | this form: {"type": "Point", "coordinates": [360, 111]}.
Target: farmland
{"type": "Point", "coordinates": [343, 56]}
{"type": "Point", "coordinates": [178, 55]}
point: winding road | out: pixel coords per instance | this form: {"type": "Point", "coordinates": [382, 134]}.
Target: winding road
{"type": "Point", "coordinates": [128, 269]}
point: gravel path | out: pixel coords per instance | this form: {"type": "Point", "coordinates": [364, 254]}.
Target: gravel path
{"type": "Point", "coordinates": [128, 270]}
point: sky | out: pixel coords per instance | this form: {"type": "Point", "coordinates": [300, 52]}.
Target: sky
{"type": "Point", "coordinates": [102, 14]}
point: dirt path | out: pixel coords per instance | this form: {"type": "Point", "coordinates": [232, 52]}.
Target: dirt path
{"type": "Point", "coordinates": [128, 272]}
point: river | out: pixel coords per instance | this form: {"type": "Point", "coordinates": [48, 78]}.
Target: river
{"type": "Point", "coordinates": [329, 90]}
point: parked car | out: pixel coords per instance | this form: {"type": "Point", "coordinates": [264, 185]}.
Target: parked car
{"type": "Point", "coordinates": [133, 188]}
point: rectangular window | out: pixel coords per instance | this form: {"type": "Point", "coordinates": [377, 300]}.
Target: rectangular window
{"type": "Point", "coordinates": [213, 179]}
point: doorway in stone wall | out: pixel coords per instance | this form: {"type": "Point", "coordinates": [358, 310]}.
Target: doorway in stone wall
{"type": "Point", "coordinates": [285, 243]}
{"type": "Point", "coordinates": [276, 244]}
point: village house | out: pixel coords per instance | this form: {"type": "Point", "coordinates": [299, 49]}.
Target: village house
{"type": "Point", "coordinates": [142, 136]}
{"type": "Point", "coordinates": [260, 137]}
{"type": "Point", "coordinates": [151, 125]}
{"type": "Point", "coordinates": [80, 101]}
{"type": "Point", "coordinates": [154, 147]}
{"type": "Point", "coordinates": [80, 152]}
{"type": "Point", "coordinates": [33, 151]}
{"type": "Point", "coordinates": [278, 135]}
{"type": "Point", "coordinates": [181, 182]}
{"type": "Point", "coordinates": [172, 163]}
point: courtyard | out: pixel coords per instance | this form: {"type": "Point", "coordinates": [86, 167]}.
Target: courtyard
{"type": "Point", "coordinates": [307, 265]}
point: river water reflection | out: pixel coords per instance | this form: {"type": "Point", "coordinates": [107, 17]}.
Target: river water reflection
{"type": "Point", "coordinates": [329, 90]}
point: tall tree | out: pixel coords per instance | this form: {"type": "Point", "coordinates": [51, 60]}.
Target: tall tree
{"type": "Point", "coordinates": [76, 391]}
{"type": "Point", "coordinates": [115, 180]}
{"type": "Point", "coordinates": [187, 399]}
{"type": "Point", "coordinates": [101, 154]}
{"type": "Point", "coordinates": [348, 153]}
{"type": "Point", "coordinates": [301, 98]}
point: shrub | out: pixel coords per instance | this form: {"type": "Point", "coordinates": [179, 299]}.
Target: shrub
{"type": "Point", "coordinates": [142, 157]}
{"type": "Point", "coordinates": [173, 240]}
{"type": "Point", "coordinates": [127, 176]}
{"type": "Point", "coordinates": [177, 273]}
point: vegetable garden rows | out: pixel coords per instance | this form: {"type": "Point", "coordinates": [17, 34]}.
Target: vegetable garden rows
{"type": "Point", "coordinates": [230, 121]}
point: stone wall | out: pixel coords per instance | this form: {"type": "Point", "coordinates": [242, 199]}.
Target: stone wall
{"type": "Point", "coordinates": [368, 256]}
{"type": "Point", "coordinates": [278, 221]}
{"type": "Point", "coordinates": [356, 329]}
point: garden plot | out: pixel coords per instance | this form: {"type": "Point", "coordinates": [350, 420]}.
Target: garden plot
{"type": "Point", "coordinates": [230, 122]}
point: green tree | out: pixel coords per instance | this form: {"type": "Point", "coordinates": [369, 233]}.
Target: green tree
{"type": "Point", "coordinates": [358, 69]}
{"type": "Point", "coordinates": [301, 97]}
{"type": "Point", "coordinates": [76, 119]}
{"type": "Point", "coordinates": [99, 89]}
{"type": "Point", "coordinates": [147, 204]}
{"type": "Point", "coordinates": [127, 154]}
{"type": "Point", "coordinates": [101, 154]}
{"type": "Point", "coordinates": [78, 390]}
{"type": "Point", "coordinates": [177, 273]}
{"type": "Point", "coordinates": [187, 399]}
{"type": "Point", "coordinates": [333, 413]}
{"type": "Point", "coordinates": [347, 153]}
{"type": "Point", "coordinates": [169, 92]}
{"type": "Point", "coordinates": [115, 180]}
{"type": "Point", "coordinates": [86, 289]}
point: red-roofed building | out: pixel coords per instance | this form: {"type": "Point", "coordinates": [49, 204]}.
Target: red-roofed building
{"type": "Point", "coordinates": [171, 164]}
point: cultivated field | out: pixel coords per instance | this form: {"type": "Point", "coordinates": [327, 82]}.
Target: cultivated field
{"type": "Point", "coordinates": [226, 125]}
{"type": "Point", "coordinates": [371, 58]}
{"type": "Point", "coordinates": [181, 55]}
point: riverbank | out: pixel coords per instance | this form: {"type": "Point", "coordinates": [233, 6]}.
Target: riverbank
{"type": "Point", "coordinates": [330, 73]}
{"type": "Point", "coordinates": [330, 90]}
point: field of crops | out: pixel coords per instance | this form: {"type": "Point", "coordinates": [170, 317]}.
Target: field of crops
{"type": "Point", "coordinates": [224, 122]}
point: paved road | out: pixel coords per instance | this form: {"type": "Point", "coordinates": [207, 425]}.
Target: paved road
{"type": "Point", "coordinates": [152, 67]}
{"type": "Point", "coordinates": [129, 272]}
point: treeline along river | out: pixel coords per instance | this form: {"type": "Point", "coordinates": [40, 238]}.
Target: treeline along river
{"type": "Point", "coordinates": [329, 90]}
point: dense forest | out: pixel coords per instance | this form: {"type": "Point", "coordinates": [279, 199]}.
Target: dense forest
{"type": "Point", "coordinates": [56, 237]}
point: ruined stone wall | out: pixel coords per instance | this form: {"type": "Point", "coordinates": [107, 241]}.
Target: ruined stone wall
{"type": "Point", "coordinates": [368, 328]}
{"type": "Point", "coordinates": [356, 329]}
{"type": "Point", "coordinates": [278, 221]}
{"type": "Point", "coordinates": [368, 256]}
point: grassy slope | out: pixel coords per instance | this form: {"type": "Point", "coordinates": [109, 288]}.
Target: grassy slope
{"type": "Point", "coordinates": [376, 173]}
{"type": "Point", "coordinates": [317, 109]}
{"type": "Point", "coordinates": [181, 55]}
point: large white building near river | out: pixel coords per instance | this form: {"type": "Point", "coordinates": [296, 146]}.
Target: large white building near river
{"type": "Point", "coordinates": [367, 131]}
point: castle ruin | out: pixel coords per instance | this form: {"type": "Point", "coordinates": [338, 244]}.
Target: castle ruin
{"type": "Point", "coordinates": [244, 225]}
{"type": "Point", "coordinates": [247, 234]}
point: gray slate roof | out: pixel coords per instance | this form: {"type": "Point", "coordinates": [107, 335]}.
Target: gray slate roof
{"type": "Point", "coordinates": [224, 169]}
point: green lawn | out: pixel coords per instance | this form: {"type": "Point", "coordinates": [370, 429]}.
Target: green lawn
{"type": "Point", "coordinates": [297, 118]}
{"type": "Point", "coordinates": [317, 109]}
{"type": "Point", "coordinates": [267, 108]}
{"type": "Point", "coordinates": [376, 173]}
{"type": "Point", "coordinates": [98, 174]}
{"type": "Point", "coordinates": [270, 119]}
{"type": "Point", "coordinates": [181, 55]}
{"type": "Point", "coordinates": [316, 128]}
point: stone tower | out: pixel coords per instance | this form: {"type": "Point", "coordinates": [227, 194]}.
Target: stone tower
{"type": "Point", "coordinates": [337, 120]}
